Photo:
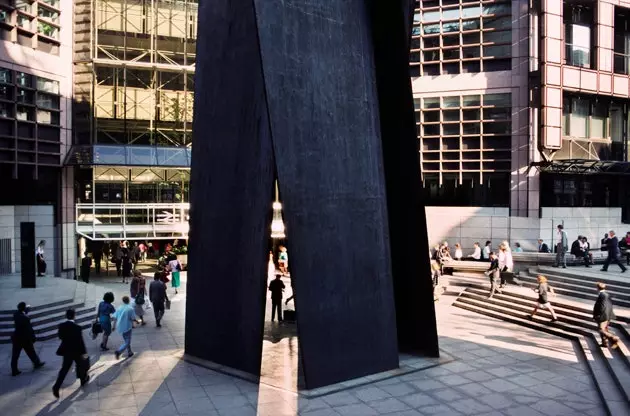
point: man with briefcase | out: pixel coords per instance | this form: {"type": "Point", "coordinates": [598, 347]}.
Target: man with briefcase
{"type": "Point", "coordinates": [73, 350]}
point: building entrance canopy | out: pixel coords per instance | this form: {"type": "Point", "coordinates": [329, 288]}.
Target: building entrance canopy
{"type": "Point", "coordinates": [127, 155]}
{"type": "Point", "coordinates": [583, 167]}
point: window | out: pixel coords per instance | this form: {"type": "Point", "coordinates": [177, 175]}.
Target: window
{"type": "Point", "coordinates": [464, 134]}
{"type": "Point", "coordinates": [47, 85]}
{"type": "Point", "coordinates": [47, 101]}
{"type": "Point", "coordinates": [47, 29]}
{"type": "Point", "coordinates": [24, 80]}
{"type": "Point", "coordinates": [24, 6]}
{"type": "Point", "coordinates": [48, 14]}
{"type": "Point", "coordinates": [452, 34]}
{"type": "Point", "coordinates": [578, 22]}
{"type": "Point", "coordinates": [622, 40]}
{"type": "Point", "coordinates": [5, 76]}
{"type": "Point", "coordinates": [37, 22]}
{"type": "Point", "coordinates": [585, 117]}
{"type": "Point", "coordinates": [26, 99]}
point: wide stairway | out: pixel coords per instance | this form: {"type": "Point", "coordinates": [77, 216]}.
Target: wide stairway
{"type": "Point", "coordinates": [581, 282]}
{"type": "Point", "coordinates": [46, 318]}
{"type": "Point", "coordinates": [610, 369]}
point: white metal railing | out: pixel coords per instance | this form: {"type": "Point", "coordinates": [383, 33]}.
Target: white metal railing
{"type": "Point", "coordinates": [132, 221]}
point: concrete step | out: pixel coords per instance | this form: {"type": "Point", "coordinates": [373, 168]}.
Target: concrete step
{"type": "Point", "coordinates": [519, 299]}
{"type": "Point", "coordinates": [35, 309]}
{"type": "Point", "coordinates": [79, 309]}
{"type": "Point", "coordinates": [42, 312]}
{"type": "Point", "coordinates": [531, 297]}
{"type": "Point", "coordinates": [612, 285]}
{"type": "Point", "coordinates": [578, 287]}
{"type": "Point", "coordinates": [617, 362]}
{"type": "Point", "coordinates": [575, 291]}
{"type": "Point", "coordinates": [44, 331]}
{"type": "Point", "coordinates": [50, 334]}
{"type": "Point", "coordinates": [588, 275]}
{"type": "Point", "coordinates": [612, 398]}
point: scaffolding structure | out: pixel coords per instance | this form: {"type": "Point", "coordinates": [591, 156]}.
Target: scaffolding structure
{"type": "Point", "coordinates": [135, 63]}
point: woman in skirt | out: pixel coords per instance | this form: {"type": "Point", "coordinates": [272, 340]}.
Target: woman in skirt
{"type": "Point", "coordinates": [543, 290]}
{"type": "Point", "coordinates": [104, 316]}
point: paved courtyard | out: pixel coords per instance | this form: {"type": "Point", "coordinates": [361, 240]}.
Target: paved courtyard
{"type": "Point", "coordinates": [497, 368]}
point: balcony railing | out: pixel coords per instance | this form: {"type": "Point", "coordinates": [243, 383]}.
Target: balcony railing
{"type": "Point", "coordinates": [132, 221]}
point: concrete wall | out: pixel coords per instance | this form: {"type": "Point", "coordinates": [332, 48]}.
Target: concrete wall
{"type": "Point", "coordinates": [42, 216]}
{"type": "Point", "coordinates": [465, 225]}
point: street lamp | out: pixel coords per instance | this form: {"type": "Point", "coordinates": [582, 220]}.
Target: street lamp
{"type": "Point", "coordinates": [277, 226]}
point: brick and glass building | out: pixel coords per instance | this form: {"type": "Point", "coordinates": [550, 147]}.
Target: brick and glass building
{"type": "Point", "coordinates": [35, 129]}
{"type": "Point", "coordinates": [522, 113]}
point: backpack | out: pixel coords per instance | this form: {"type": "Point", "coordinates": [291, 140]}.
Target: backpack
{"type": "Point", "coordinates": [140, 298]}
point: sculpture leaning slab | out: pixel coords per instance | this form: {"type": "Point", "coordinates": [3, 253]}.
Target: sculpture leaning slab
{"type": "Point", "coordinates": [317, 93]}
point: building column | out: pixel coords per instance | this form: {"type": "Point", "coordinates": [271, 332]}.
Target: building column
{"type": "Point", "coordinates": [68, 232]}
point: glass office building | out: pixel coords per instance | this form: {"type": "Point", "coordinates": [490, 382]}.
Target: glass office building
{"type": "Point", "coordinates": [134, 71]}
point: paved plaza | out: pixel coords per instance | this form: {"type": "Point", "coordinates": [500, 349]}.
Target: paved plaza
{"type": "Point", "coordinates": [493, 368]}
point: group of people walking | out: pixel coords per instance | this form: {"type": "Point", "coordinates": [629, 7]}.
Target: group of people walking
{"type": "Point", "coordinates": [602, 311]}
{"type": "Point", "coordinates": [123, 319]}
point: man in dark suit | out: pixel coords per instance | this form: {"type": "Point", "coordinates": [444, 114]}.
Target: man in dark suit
{"type": "Point", "coordinates": [73, 350]}
{"type": "Point", "coordinates": [603, 314]}
{"type": "Point", "coordinates": [543, 247]}
{"type": "Point", "coordinates": [23, 338]}
{"type": "Point", "coordinates": [157, 296]}
{"type": "Point", "coordinates": [276, 287]}
{"type": "Point", "coordinates": [613, 253]}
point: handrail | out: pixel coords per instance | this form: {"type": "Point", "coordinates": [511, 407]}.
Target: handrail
{"type": "Point", "coordinates": [162, 220]}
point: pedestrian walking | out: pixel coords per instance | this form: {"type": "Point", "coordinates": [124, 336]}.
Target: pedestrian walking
{"type": "Point", "coordinates": [23, 338]}
{"type": "Point", "coordinates": [561, 247]}
{"type": "Point", "coordinates": [86, 265]}
{"type": "Point", "coordinates": [613, 253]}
{"type": "Point", "coordinates": [127, 266]}
{"type": "Point", "coordinates": [283, 260]}
{"type": "Point", "coordinates": [97, 255]}
{"type": "Point", "coordinates": [543, 290]}
{"type": "Point", "coordinates": [158, 297]}
{"type": "Point", "coordinates": [506, 262]}
{"type": "Point", "coordinates": [276, 287]}
{"type": "Point", "coordinates": [104, 317]}
{"type": "Point", "coordinates": [73, 350]}
{"type": "Point", "coordinates": [175, 267]}
{"type": "Point", "coordinates": [41, 261]}
{"type": "Point", "coordinates": [125, 317]}
{"type": "Point", "coordinates": [494, 273]}
{"type": "Point", "coordinates": [137, 289]}
{"type": "Point", "coordinates": [603, 314]}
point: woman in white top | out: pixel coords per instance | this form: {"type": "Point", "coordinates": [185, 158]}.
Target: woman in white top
{"type": "Point", "coordinates": [476, 253]}
{"type": "Point", "coordinates": [458, 252]}
{"type": "Point", "coordinates": [41, 262]}
{"type": "Point", "coordinates": [506, 263]}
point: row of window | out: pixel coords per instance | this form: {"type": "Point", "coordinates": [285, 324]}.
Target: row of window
{"type": "Point", "coordinates": [469, 133]}
{"type": "Point", "coordinates": [459, 38]}
{"type": "Point", "coordinates": [41, 17]}
{"type": "Point", "coordinates": [29, 98]}
{"type": "Point", "coordinates": [579, 21]}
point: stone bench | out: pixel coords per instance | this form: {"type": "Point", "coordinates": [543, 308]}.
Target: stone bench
{"type": "Point", "coordinates": [467, 265]}
{"type": "Point", "coordinates": [550, 258]}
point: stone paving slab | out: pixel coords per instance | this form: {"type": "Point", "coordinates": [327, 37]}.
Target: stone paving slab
{"type": "Point", "coordinates": [497, 369]}
{"type": "Point", "coordinates": [48, 290]}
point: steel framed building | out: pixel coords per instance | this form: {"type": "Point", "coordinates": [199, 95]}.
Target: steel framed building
{"type": "Point", "coordinates": [134, 69]}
